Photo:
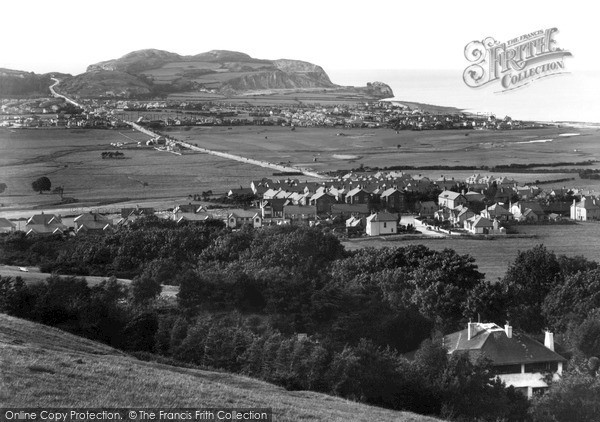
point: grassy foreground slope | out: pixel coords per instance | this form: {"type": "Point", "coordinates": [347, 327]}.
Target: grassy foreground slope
{"type": "Point", "coordinates": [42, 366]}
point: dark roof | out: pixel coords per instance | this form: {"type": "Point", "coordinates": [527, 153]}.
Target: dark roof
{"type": "Point", "coordinates": [7, 223]}
{"type": "Point", "coordinates": [126, 212]}
{"type": "Point", "coordinates": [42, 219]}
{"type": "Point", "coordinates": [494, 344]}
{"type": "Point", "coordinates": [299, 210]}
{"type": "Point", "coordinates": [350, 208]}
{"type": "Point", "coordinates": [383, 216]}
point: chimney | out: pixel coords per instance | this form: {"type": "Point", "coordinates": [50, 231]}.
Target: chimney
{"type": "Point", "coordinates": [549, 340]}
{"type": "Point", "coordinates": [470, 330]}
{"type": "Point", "coordinates": [508, 330]}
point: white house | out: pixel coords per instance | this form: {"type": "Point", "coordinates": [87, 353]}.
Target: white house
{"type": "Point", "coordinates": [516, 358]}
{"type": "Point", "coordinates": [381, 223]}
{"type": "Point", "coordinates": [481, 225]}
{"type": "Point", "coordinates": [584, 210]}
{"type": "Point", "coordinates": [450, 199]}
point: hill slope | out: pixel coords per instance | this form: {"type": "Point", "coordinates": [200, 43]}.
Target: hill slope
{"type": "Point", "coordinates": [153, 72]}
{"type": "Point", "coordinates": [16, 83]}
{"type": "Point", "coordinates": [45, 367]}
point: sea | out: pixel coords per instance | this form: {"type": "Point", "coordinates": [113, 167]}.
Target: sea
{"type": "Point", "coordinates": [567, 97]}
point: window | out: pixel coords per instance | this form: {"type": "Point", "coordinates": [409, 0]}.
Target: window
{"type": "Point", "coordinates": [507, 369]}
{"type": "Point", "coordinates": [384, 225]}
{"type": "Point", "coordinates": [541, 367]}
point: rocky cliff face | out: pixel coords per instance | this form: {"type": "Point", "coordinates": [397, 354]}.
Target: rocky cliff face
{"type": "Point", "coordinates": [278, 79]}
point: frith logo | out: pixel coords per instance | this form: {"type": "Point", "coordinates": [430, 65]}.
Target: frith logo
{"type": "Point", "coordinates": [514, 63]}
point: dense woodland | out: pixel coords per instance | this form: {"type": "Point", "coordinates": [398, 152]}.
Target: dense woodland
{"type": "Point", "coordinates": [291, 306]}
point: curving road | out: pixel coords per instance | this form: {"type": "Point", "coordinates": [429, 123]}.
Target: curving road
{"type": "Point", "coordinates": [64, 97]}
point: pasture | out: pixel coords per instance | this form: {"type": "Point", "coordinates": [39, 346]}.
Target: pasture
{"type": "Point", "coordinates": [384, 147]}
{"type": "Point", "coordinates": [494, 255]}
{"type": "Point", "coordinates": [71, 158]}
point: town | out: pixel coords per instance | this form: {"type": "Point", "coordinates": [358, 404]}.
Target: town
{"type": "Point", "coordinates": [355, 204]}
{"type": "Point", "coordinates": [157, 114]}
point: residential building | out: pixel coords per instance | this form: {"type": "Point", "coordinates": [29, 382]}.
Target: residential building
{"type": "Point", "coordinates": [348, 210]}
{"type": "Point", "coordinates": [527, 211]}
{"type": "Point", "coordinates": [44, 224]}
{"type": "Point", "coordinates": [497, 212]}
{"type": "Point", "coordinates": [450, 199]}
{"type": "Point", "coordinates": [381, 223]}
{"type": "Point", "coordinates": [239, 218]}
{"type": "Point", "coordinates": [357, 196]}
{"type": "Point", "coordinates": [585, 210]}
{"type": "Point", "coordinates": [272, 208]}
{"type": "Point", "coordinates": [299, 213]}
{"type": "Point", "coordinates": [92, 223]}
{"type": "Point", "coordinates": [323, 201]}
{"type": "Point", "coordinates": [393, 200]}
{"type": "Point", "coordinates": [518, 360]}
{"type": "Point", "coordinates": [189, 212]}
{"type": "Point", "coordinates": [7, 226]}
{"type": "Point", "coordinates": [481, 225]}
{"type": "Point", "coordinates": [426, 208]}
{"type": "Point", "coordinates": [474, 197]}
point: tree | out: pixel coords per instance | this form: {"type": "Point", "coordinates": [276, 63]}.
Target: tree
{"type": "Point", "coordinates": [587, 335]}
{"type": "Point", "coordinates": [576, 398]}
{"type": "Point", "coordinates": [41, 184]}
{"type": "Point", "coordinates": [527, 282]}
{"type": "Point", "coordinates": [572, 301]}
{"type": "Point", "coordinates": [145, 289]}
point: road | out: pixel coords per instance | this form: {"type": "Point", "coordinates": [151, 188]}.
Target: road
{"type": "Point", "coordinates": [229, 156]}
{"type": "Point", "coordinates": [239, 158]}
{"type": "Point", "coordinates": [64, 97]}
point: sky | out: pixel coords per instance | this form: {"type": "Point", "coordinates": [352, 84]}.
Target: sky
{"type": "Point", "coordinates": [67, 36]}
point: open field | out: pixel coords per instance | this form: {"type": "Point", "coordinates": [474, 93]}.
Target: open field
{"type": "Point", "coordinates": [42, 366]}
{"type": "Point", "coordinates": [71, 158]}
{"type": "Point", "coordinates": [385, 147]}
{"type": "Point", "coordinates": [494, 255]}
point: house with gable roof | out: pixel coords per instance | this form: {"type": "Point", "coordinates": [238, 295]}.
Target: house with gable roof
{"type": "Point", "coordinates": [497, 212]}
{"type": "Point", "coordinates": [585, 210]}
{"type": "Point", "coordinates": [323, 201]}
{"type": "Point", "coordinates": [527, 211]}
{"type": "Point", "coordinates": [44, 224]}
{"type": "Point", "coordinates": [481, 225]}
{"type": "Point", "coordinates": [518, 360]}
{"type": "Point", "coordinates": [357, 196]}
{"type": "Point", "coordinates": [394, 200]}
{"type": "Point", "coordinates": [92, 222]}
{"type": "Point", "coordinates": [381, 223]}
{"type": "Point", "coordinates": [300, 214]}
{"type": "Point", "coordinates": [239, 218]}
{"type": "Point", "coordinates": [450, 199]}
{"type": "Point", "coordinates": [7, 226]}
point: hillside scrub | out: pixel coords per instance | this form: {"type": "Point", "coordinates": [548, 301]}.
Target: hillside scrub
{"type": "Point", "coordinates": [291, 306]}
